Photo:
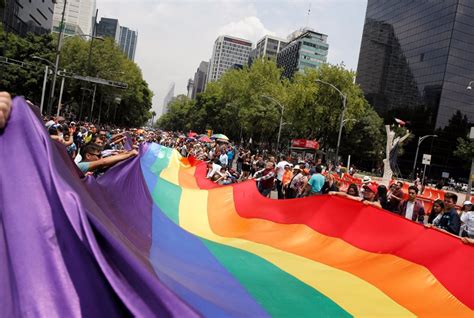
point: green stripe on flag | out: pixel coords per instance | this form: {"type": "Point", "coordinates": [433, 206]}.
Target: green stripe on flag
{"type": "Point", "coordinates": [165, 194]}
{"type": "Point", "coordinates": [281, 294]}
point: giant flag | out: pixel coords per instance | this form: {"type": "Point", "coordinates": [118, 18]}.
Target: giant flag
{"type": "Point", "coordinates": [153, 238]}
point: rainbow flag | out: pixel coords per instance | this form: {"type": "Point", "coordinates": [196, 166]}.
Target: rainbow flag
{"type": "Point", "coordinates": [154, 237]}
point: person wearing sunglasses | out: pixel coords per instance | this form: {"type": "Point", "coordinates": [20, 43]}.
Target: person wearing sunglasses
{"type": "Point", "coordinates": [92, 159]}
{"type": "Point", "coordinates": [411, 208]}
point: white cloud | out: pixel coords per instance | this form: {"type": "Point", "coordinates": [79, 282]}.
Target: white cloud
{"type": "Point", "coordinates": [249, 28]}
{"type": "Point", "coordinates": [174, 36]}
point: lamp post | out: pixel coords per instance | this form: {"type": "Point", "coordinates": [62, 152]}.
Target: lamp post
{"type": "Point", "coordinates": [45, 80]}
{"type": "Point", "coordinates": [282, 108]}
{"type": "Point", "coordinates": [80, 109]}
{"type": "Point", "coordinates": [471, 174]}
{"type": "Point", "coordinates": [341, 124]}
{"type": "Point", "coordinates": [420, 140]}
{"type": "Point", "coordinates": [469, 86]}
{"type": "Point", "coordinates": [56, 64]}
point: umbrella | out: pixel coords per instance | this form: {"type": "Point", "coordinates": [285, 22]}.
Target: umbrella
{"type": "Point", "coordinates": [181, 136]}
{"type": "Point", "coordinates": [220, 136]}
{"type": "Point", "coordinates": [192, 134]}
{"type": "Point", "coordinates": [205, 139]}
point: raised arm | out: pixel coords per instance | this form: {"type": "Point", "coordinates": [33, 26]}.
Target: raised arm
{"type": "Point", "coordinates": [110, 161]}
{"type": "Point", "coordinates": [5, 108]}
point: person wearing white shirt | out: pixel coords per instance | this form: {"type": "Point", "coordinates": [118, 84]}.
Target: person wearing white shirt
{"type": "Point", "coordinates": [467, 219]}
{"type": "Point", "coordinates": [224, 159]}
{"type": "Point", "coordinates": [280, 170]}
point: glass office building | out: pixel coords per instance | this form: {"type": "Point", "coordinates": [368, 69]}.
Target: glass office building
{"type": "Point", "coordinates": [306, 49]}
{"type": "Point", "coordinates": [23, 16]}
{"type": "Point", "coordinates": [415, 63]}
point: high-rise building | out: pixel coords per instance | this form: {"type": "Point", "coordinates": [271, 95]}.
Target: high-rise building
{"type": "Point", "coordinates": [306, 49]}
{"type": "Point", "coordinates": [228, 52]}
{"type": "Point", "coordinates": [22, 16]}
{"type": "Point", "coordinates": [128, 42]}
{"type": "Point", "coordinates": [190, 88]}
{"type": "Point", "coordinates": [269, 46]}
{"type": "Point", "coordinates": [168, 99]}
{"type": "Point", "coordinates": [200, 79]}
{"type": "Point", "coordinates": [79, 16]}
{"type": "Point", "coordinates": [108, 27]}
{"type": "Point", "coordinates": [415, 63]}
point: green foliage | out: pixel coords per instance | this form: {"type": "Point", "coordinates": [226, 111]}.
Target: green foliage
{"type": "Point", "coordinates": [465, 149]}
{"type": "Point", "coordinates": [315, 108]}
{"type": "Point", "coordinates": [245, 104]}
{"type": "Point", "coordinates": [106, 61]}
{"type": "Point", "coordinates": [366, 140]}
{"type": "Point", "coordinates": [177, 116]}
{"type": "Point", "coordinates": [26, 81]}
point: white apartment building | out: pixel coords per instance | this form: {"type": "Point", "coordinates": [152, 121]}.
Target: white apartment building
{"type": "Point", "coordinates": [79, 16]}
{"type": "Point", "coordinates": [228, 52]}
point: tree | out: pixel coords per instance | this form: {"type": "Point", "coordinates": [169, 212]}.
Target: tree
{"type": "Point", "coordinates": [465, 149]}
{"type": "Point", "coordinates": [244, 103]}
{"type": "Point", "coordinates": [365, 142]}
{"type": "Point", "coordinates": [177, 116]}
{"type": "Point", "coordinates": [27, 80]}
{"type": "Point", "coordinates": [316, 107]}
{"type": "Point", "coordinates": [107, 61]}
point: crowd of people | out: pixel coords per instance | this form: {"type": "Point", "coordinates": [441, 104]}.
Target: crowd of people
{"type": "Point", "coordinates": [95, 148]}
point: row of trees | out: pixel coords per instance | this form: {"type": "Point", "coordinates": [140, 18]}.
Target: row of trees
{"type": "Point", "coordinates": [244, 104]}
{"type": "Point", "coordinates": [128, 107]}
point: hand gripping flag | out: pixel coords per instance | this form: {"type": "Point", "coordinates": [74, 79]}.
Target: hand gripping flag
{"type": "Point", "coordinates": [154, 238]}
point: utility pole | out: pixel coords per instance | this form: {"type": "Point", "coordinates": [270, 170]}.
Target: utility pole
{"type": "Point", "coordinates": [43, 92]}
{"type": "Point", "coordinates": [58, 50]}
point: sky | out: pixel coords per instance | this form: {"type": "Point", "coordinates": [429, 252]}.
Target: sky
{"type": "Point", "coordinates": [174, 36]}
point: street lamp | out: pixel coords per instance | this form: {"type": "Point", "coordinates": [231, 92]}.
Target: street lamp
{"type": "Point", "coordinates": [45, 80]}
{"type": "Point", "coordinates": [471, 174]}
{"type": "Point", "coordinates": [420, 140]}
{"type": "Point", "coordinates": [281, 117]}
{"type": "Point", "coordinates": [341, 124]}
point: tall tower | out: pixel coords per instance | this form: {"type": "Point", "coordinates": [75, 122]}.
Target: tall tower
{"type": "Point", "coordinates": [228, 52]}
{"type": "Point", "coordinates": [79, 16]}
{"type": "Point", "coordinates": [415, 63]}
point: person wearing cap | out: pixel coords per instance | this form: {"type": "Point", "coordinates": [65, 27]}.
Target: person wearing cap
{"type": "Point", "coordinates": [467, 219]}
{"type": "Point", "coordinates": [411, 208]}
{"type": "Point", "coordinates": [365, 180]}
{"type": "Point", "coordinates": [369, 195]}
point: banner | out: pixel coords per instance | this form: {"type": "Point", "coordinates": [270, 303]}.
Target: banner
{"type": "Point", "coordinates": [304, 143]}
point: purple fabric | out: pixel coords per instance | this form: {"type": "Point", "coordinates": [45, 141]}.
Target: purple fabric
{"type": "Point", "coordinates": [65, 250]}
{"type": "Point", "coordinates": [128, 144]}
